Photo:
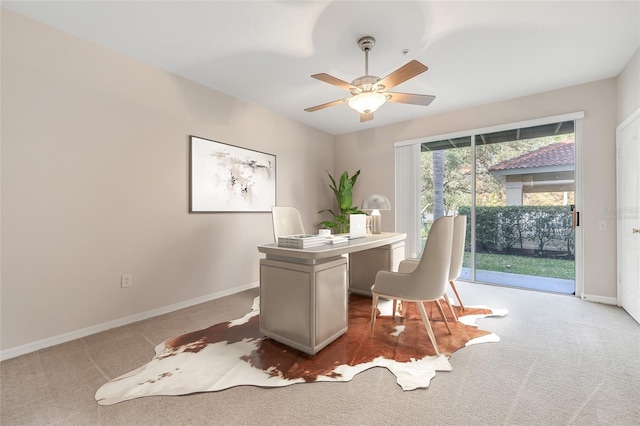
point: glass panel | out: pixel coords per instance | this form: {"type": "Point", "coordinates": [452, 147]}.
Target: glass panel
{"type": "Point", "coordinates": [524, 189]}
{"type": "Point", "coordinates": [446, 181]}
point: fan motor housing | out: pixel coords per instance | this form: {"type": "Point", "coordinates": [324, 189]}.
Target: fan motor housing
{"type": "Point", "coordinates": [366, 82]}
{"type": "Point", "coordinates": [366, 43]}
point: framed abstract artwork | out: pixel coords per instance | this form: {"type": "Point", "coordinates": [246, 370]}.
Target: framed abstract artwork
{"type": "Point", "coordinates": [227, 178]}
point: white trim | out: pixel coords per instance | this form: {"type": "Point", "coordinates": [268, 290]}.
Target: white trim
{"type": "Point", "coordinates": [474, 184]}
{"type": "Point", "coordinates": [532, 170]}
{"type": "Point", "coordinates": [498, 128]}
{"type": "Point", "coordinates": [619, 264]}
{"type": "Point", "coordinates": [578, 200]}
{"type": "Point", "coordinates": [77, 334]}
{"type": "Point", "coordinates": [600, 299]}
{"type": "Point", "coordinates": [628, 121]}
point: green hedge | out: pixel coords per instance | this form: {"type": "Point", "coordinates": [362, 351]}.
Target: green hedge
{"type": "Point", "coordinates": [545, 230]}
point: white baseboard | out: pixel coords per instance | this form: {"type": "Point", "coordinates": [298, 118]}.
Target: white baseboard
{"type": "Point", "coordinates": [600, 299]}
{"type": "Point", "coordinates": [77, 334]}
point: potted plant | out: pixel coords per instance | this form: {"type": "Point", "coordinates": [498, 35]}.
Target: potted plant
{"type": "Point", "coordinates": [344, 196]}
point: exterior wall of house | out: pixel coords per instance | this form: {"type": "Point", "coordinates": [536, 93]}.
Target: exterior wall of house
{"type": "Point", "coordinates": [372, 151]}
{"type": "Point", "coordinates": [629, 88]}
{"type": "Point", "coordinates": [95, 184]}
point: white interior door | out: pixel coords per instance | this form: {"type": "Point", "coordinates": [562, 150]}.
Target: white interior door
{"type": "Point", "coordinates": [628, 197]}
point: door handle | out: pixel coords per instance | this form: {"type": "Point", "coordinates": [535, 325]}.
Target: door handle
{"type": "Point", "coordinates": [635, 231]}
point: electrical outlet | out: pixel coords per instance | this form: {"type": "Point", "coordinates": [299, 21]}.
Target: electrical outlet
{"type": "Point", "coordinates": [126, 280]}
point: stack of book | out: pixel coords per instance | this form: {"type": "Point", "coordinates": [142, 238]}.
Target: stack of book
{"type": "Point", "coordinates": [301, 240]}
{"type": "Point", "coordinates": [337, 240]}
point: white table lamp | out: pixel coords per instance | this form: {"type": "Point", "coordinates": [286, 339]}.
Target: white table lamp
{"type": "Point", "coordinates": [375, 203]}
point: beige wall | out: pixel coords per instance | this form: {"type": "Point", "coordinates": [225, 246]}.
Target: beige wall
{"type": "Point", "coordinates": [372, 151]}
{"type": "Point", "coordinates": [629, 88]}
{"type": "Point", "coordinates": [95, 184]}
{"type": "Point", "coordinates": [94, 172]}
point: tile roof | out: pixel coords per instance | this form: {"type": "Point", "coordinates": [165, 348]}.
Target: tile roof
{"type": "Point", "coordinates": [557, 154]}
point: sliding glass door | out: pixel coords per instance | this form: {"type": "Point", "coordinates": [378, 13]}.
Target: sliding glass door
{"type": "Point", "coordinates": [517, 187]}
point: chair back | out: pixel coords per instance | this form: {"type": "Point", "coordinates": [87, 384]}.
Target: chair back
{"type": "Point", "coordinates": [286, 221]}
{"type": "Point", "coordinates": [457, 248]}
{"type": "Point", "coordinates": [432, 273]}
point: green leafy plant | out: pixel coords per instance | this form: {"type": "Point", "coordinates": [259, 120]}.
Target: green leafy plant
{"type": "Point", "coordinates": [344, 196]}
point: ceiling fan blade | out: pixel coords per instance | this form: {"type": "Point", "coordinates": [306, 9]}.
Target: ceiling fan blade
{"type": "Point", "coordinates": [409, 98]}
{"type": "Point", "coordinates": [327, 105]}
{"type": "Point", "coordinates": [333, 81]}
{"type": "Point", "coordinates": [366, 117]}
{"type": "Point", "coordinates": [402, 74]}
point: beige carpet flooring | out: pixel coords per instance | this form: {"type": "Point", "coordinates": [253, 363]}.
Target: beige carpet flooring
{"type": "Point", "coordinates": [560, 361]}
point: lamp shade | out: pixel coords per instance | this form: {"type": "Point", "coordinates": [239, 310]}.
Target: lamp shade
{"type": "Point", "coordinates": [376, 202]}
{"type": "Point", "coordinates": [367, 102]}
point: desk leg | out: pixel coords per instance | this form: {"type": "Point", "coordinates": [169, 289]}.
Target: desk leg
{"type": "Point", "coordinates": [364, 265]}
{"type": "Point", "coordinates": [303, 306]}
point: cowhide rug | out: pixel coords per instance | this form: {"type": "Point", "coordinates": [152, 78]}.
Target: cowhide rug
{"type": "Point", "coordinates": [235, 353]}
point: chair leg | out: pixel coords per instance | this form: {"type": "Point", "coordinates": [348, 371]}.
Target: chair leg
{"type": "Point", "coordinates": [374, 308]}
{"type": "Point", "coordinates": [455, 291]}
{"type": "Point", "coordinates": [395, 305]}
{"type": "Point", "coordinates": [427, 325]}
{"type": "Point", "coordinates": [446, 298]}
{"type": "Point", "coordinates": [443, 315]}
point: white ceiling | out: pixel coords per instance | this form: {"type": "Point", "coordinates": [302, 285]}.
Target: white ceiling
{"type": "Point", "coordinates": [265, 51]}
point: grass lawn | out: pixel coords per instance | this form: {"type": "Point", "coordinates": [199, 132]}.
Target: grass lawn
{"type": "Point", "coordinates": [541, 267]}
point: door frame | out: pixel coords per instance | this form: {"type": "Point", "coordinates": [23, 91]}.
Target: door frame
{"type": "Point", "coordinates": [626, 123]}
{"type": "Point", "coordinates": [577, 117]}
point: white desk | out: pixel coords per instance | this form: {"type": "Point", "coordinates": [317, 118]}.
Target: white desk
{"type": "Point", "coordinates": [303, 292]}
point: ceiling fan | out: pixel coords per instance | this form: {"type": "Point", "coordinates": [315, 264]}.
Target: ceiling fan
{"type": "Point", "coordinates": [369, 92]}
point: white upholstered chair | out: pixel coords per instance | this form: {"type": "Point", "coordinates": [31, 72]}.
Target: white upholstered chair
{"type": "Point", "coordinates": [286, 221]}
{"type": "Point", "coordinates": [457, 252]}
{"type": "Point", "coordinates": [428, 280]}
{"type": "Point", "coordinates": [457, 255]}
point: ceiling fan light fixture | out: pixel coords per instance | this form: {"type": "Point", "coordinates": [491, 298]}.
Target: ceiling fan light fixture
{"type": "Point", "coordinates": [367, 102]}
{"type": "Point", "coordinates": [369, 92]}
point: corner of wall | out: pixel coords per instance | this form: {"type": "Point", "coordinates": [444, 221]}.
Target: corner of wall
{"type": "Point", "coordinates": [628, 88]}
